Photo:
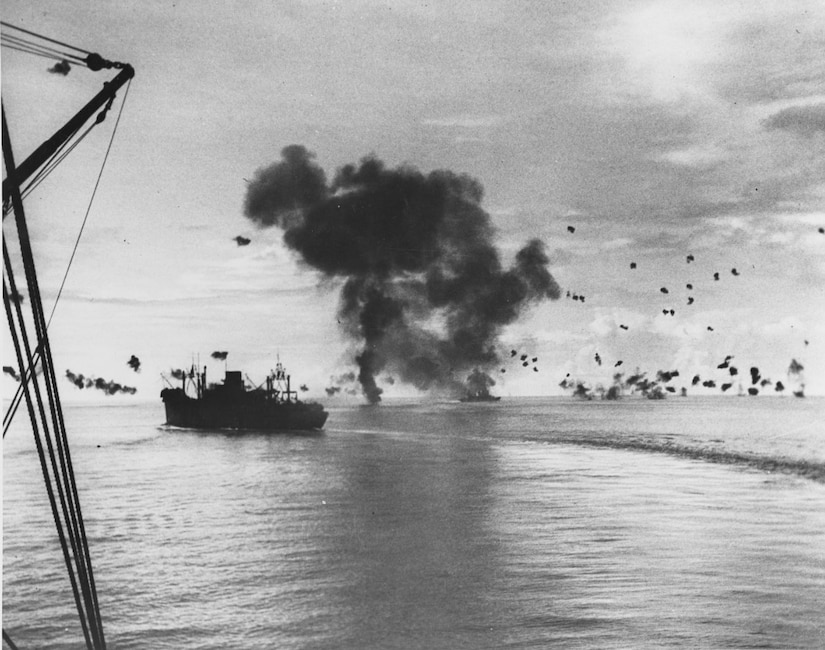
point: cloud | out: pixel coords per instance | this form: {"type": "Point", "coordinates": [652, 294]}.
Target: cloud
{"type": "Point", "coordinates": [666, 46]}
{"type": "Point", "coordinates": [613, 244]}
{"type": "Point", "coordinates": [802, 120]}
{"type": "Point", "coordinates": [605, 323]}
{"type": "Point", "coordinates": [701, 156]}
{"type": "Point", "coordinates": [466, 121]}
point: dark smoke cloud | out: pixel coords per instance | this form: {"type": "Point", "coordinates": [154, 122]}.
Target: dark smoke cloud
{"type": "Point", "coordinates": [577, 388]}
{"type": "Point", "coordinates": [108, 387]}
{"type": "Point", "coordinates": [479, 383]}
{"type": "Point", "coordinates": [220, 356]}
{"type": "Point", "coordinates": [413, 249]}
{"type": "Point", "coordinates": [134, 363]}
{"type": "Point", "coordinates": [11, 372]}
{"type": "Point", "coordinates": [343, 382]}
{"type": "Point", "coordinates": [638, 382]}
{"type": "Point", "coordinates": [177, 373]}
{"type": "Point", "coordinates": [61, 67]}
{"type": "Point", "coordinates": [582, 390]}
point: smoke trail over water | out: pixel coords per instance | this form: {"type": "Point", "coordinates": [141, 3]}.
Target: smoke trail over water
{"type": "Point", "coordinates": [424, 291]}
{"type": "Point", "coordinates": [98, 383]}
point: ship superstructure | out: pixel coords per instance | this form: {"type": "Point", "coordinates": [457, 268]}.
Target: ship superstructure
{"type": "Point", "coordinates": [232, 405]}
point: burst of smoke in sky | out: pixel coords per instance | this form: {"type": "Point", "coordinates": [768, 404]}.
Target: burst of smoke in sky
{"type": "Point", "coordinates": [108, 387]}
{"type": "Point", "coordinates": [134, 363]}
{"type": "Point", "coordinates": [177, 373]}
{"type": "Point", "coordinates": [220, 356]}
{"type": "Point", "coordinates": [61, 67]}
{"type": "Point", "coordinates": [343, 382]}
{"type": "Point", "coordinates": [424, 291]}
{"type": "Point", "coordinates": [11, 372]}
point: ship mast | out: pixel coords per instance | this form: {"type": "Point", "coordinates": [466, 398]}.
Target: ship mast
{"type": "Point", "coordinates": [33, 348]}
{"type": "Point", "coordinates": [279, 384]}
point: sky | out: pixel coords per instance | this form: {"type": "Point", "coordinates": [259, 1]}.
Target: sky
{"type": "Point", "coordinates": [655, 129]}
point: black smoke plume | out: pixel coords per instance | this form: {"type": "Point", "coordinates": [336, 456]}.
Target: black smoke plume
{"type": "Point", "coordinates": [61, 67]}
{"type": "Point", "coordinates": [177, 373]}
{"type": "Point", "coordinates": [220, 356]}
{"type": "Point", "coordinates": [341, 382]}
{"type": "Point", "coordinates": [11, 372]}
{"type": "Point", "coordinates": [134, 363]}
{"type": "Point", "coordinates": [424, 291]}
{"type": "Point", "coordinates": [108, 387]}
{"type": "Point", "coordinates": [479, 383]}
{"type": "Point", "coordinates": [577, 388]}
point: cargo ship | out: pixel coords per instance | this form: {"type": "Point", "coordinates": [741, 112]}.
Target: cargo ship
{"type": "Point", "coordinates": [231, 405]}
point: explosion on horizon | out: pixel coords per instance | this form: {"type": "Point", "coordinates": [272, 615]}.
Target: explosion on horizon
{"type": "Point", "coordinates": [424, 291]}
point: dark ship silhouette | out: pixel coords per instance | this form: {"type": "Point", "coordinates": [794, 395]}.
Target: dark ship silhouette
{"type": "Point", "coordinates": [483, 396]}
{"type": "Point", "coordinates": [230, 405]}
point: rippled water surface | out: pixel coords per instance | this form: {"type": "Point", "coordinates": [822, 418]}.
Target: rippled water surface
{"type": "Point", "coordinates": [691, 523]}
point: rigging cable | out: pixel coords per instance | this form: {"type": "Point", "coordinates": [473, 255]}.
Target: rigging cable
{"type": "Point", "coordinates": [45, 38]}
{"type": "Point", "coordinates": [9, 417]}
{"type": "Point", "coordinates": [91, 200]}
{"type": "Point", "coordinates": [8, 640]}
{"type": "Point", "coordinates": [62, 472]}
{"type": "Point", "coordinates": [31, 47]}
{"type": "Point", "coordinates": [92, 60]}
{"type": "Point", "coordinates": [35, 52]}
{"type": "Point", "coordinates": [54, 161]}
{"type": "Point", "coordinates": [38, 442]}
{"type": "Point", "coordinates": [49, 166]}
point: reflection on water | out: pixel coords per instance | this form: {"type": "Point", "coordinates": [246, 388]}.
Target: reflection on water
{"type": "Point", "coordinates": [525, 524]}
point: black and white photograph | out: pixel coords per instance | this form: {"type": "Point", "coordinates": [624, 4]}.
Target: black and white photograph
{"type": "Point", "coordinates": [405, 324]}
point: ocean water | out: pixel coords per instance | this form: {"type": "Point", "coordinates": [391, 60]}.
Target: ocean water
{"type": "Point", "coordinates": [528, 523]}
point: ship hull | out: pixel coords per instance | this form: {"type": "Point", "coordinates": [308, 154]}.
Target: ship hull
{"type": "Point", "coordinates": [260, 415]}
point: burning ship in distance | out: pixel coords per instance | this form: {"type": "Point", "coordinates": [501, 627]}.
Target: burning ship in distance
{"type": "Point", "coordinates": [478, 388]}
{"type": "Point", "coordinates": [231, 405]}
